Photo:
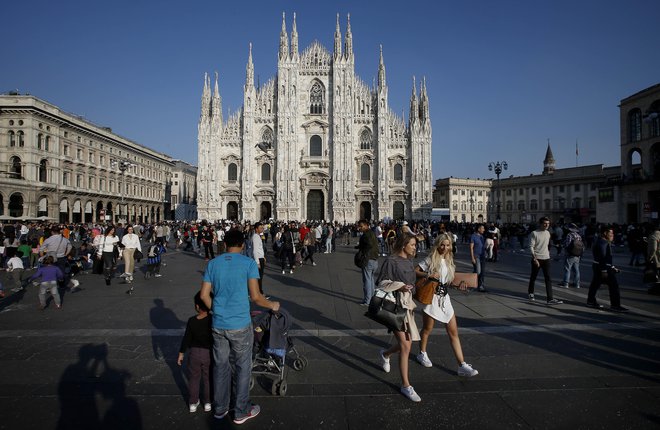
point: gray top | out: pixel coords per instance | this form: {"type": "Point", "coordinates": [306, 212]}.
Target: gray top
{"type": "Point", "coordinates": [539, 240]}
{"type": "Point", "coordinates": [399, 269]}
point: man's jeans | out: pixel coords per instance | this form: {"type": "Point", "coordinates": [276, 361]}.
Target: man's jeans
{"type": "Point", "coordinates": [480, 268]}
{"type": "Point", "coordinates": [572, 264]}
{"type": "Point", "coordinates": [368, 273]}
{"type": "Point", "coordinates": [232, 356]}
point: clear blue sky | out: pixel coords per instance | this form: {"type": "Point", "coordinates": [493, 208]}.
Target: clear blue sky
{"type": "Point", "coordinates": [502, 76]}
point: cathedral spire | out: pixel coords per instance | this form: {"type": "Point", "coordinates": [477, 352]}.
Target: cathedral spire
{"type": "Point", "coordinates": [424, 102]}
{"type": "Point", "coordinates": [206, 97]}
{"type": "Point", "coordinates": [348, 45]}
{"type": "Point", "coordinates": [284, 42]}
{"type": "Point", "coordinates": [414, 106]}
{"type": "Point", "coordinates": [216, 106]}
{"type": "Point", "coordinates": [337, 40]}
{"type": "Point", "coordinates": [249, 70]}
{"type": "Point", "coordinates": [381, 70]}
{"type": "Point", "coordinates": [294, 38]}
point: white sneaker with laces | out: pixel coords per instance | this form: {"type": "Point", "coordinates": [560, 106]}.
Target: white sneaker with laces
{"type": "Point", "coordinates": [193, 407]}
{"type": "Point", "coordinates": [423, 359]}
{"type": "Point", "coordinates": [384, 362]}
{"type": "Point", "coordinates": [410, 393]}
{"type": "Point", "coordinates": [466, 369]}
{"type": "Point", "coordinates": [207, 407]}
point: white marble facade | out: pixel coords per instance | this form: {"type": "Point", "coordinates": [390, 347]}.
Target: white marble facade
{"type": "Point", "coordinates": [314, 142]}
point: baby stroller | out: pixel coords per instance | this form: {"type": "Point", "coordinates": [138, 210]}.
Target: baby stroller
{"type": "Point", "coordinates": [271, 346]}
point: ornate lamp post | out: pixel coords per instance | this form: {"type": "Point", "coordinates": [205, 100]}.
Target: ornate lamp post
{"type": "Point", "coordinates": [471, 206]}
{"type": "Point", "coordinates": [122, 165]}
{"type": "Point", "coordinates": [498, 167]}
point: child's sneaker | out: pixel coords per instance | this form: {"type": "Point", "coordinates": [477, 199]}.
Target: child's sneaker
{"type": "Point", "coordinates": [193, 407]}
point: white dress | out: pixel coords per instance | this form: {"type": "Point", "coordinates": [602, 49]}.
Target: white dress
{"type": "Point", "coordinates": [440, 308]}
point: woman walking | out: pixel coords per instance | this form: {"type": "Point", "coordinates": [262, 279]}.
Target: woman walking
{"type": "Point", "coordinates": [398, 276]}
{"type": "Point", "coordinates": [440, 265]}
{"type": "Point", "coordinates": [131, 242]}
{"type": "Point", "coordinates": [105, 249]}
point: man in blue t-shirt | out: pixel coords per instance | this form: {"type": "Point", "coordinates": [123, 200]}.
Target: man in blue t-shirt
{"type": "Point", "coordinates": [230, 281]}
{"type": "Point", "coordinates": [478, 254]}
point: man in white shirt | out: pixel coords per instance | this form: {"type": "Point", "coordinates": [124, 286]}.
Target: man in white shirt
{"type": "Point", "coordinates": [258, 252]}
{"type": "Point", "coordinates": [58, 247]}
{"type": "Point", "coordinates": [539, 240]}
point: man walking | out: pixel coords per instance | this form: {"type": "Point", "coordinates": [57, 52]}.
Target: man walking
{"type": "Point", "coordinates": [224, 291]}
{"type": "Point", "coordinates": [58, 247]}
{"type": "Point", "coordinates": [258, 252]}
{"type": "Point", "coordinates": [478, 255]}
{"type": "Point", "coordinates": [574, 247]}
{"type": "Point", "coordinates": [604, 271]}
{"type": "Point", "coordinates": [369, 246]}
{"type": "Point", "coordinates": [539, 241]}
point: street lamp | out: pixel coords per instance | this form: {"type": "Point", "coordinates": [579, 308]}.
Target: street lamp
{"type": "Point", "coordinates": [471, 206]}
{"type": "Point", "coordinates": [498, 167]}
{"type": "Point", "coordinates": [122, 165]}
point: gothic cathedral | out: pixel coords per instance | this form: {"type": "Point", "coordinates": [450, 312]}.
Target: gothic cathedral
{"type": "Point", "coordinates": [314, 142]}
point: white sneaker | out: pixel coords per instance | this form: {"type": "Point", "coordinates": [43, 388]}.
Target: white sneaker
{"type": "Point", "coordinates": [158, 275]}
{"type": "Point", "coordinates": [123, 275]}
{"type": "Point", "coordinates": [283, 272]}
{"type": "Point", "coordinates": [423, 359]}
{"type": "Point", "coordinates": [193, 407]}
{"type": "Point", "coordinates": [290, 272]}
{"type": "Point", "coordinates": [207, 407]}
{"type": "Point", "coordinates": [313, 264]}
{"type": "Point", "coordinates": [466, 370]}
{"type": "Point", "coordinates": [384, 362]}
{"type": "Point", "coordinates": [410, 393]}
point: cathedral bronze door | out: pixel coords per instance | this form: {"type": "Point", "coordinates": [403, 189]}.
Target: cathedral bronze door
{"type": "Point", "coordinates": [398, 211]}
{"type": "Point", "coordinates": [232, 210]}
{"type": "Point", "coordinates": [365, 210]}
{"type": "Point", "coordinates": [315, 205]}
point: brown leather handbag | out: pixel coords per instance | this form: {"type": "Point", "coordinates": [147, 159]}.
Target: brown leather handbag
{"type": "Point", "coordinates": [425, 289]}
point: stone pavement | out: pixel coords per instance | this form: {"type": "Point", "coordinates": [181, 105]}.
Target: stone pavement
{"type": "Point", "coordinates": [108, 359]}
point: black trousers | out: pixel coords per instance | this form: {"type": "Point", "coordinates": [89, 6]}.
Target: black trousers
{"type": "Point", "coordinates": [262, 266]}
{"type": "Point", "coordinates": [597, 281]}
{"type": "Point", "coordinates": [208, 249]}
{"type": "Point", "coordinates": [545, 266]}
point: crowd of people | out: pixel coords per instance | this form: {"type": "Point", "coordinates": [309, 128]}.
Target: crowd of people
{"type": "Point", "coordinates": [221, 331]}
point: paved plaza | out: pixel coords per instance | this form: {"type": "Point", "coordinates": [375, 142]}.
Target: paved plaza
{"type": "Point", "coordinates": [108, 359]}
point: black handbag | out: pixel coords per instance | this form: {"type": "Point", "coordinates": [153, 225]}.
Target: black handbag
{"type": "Point", "coordinates": [386, 309]}
{"type": "Point", "coordinates": [138, 255]}
{"type": "Point", "coordinates": [360, 259]}
{"type": "Point", "coordinates": [97, 265]}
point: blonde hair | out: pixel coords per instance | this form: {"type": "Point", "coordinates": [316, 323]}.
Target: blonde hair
{"type": "Point", "coordinates": [435, 258]}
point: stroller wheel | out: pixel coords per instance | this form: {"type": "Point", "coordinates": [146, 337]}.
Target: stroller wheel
{"type": "Point", "coordinates": [298, 364]}
{"type": "Point", "coordinates": [304, 360]}
{"type": "Point", "coordinates": [278, 388]}
{"type": "Point", "coordinates": [252, 382]}
{"type": "Point", "coordinates": [282, 388]}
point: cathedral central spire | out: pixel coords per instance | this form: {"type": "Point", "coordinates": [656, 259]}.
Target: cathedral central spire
{"type": "Point", "coordinates": [337, 40]}
{"type": "Point", "coordinates": [381, 70]}
{"type": "Point", "coordinates": [249, 70]}
{"type": "Point", "coordinates": [284, 42]}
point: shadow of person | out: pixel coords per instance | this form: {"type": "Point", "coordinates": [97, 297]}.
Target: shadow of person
{"type": "Point", "coordinates": [123, 412]}
{"type": "Point", "coordinates": [166, 348]}
{"type": "Point", "coordinates": [76, 390]}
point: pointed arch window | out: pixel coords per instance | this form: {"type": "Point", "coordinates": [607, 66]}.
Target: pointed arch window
{"type": "Point", "coordinates": [317, 99]}
{"type": "Point", "coordinates": [315, 146]}
{"type": "Point", "coordinates": [265, 172]}
{"type": "Point", "coordinates": [398, 172]}
{"type": "Point", "coordinates": [366, 139]}
{"type": "Point", "coordinates": [365, 172]}
{"type": "Point", "coordinates": [267, 137]}
{"type": "Point", "coordinates": [232, 172]}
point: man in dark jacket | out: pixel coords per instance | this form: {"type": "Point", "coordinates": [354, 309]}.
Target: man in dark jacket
{"type": "Point", "coordinates": [369, 246]}
{"type": "Point", "coordinates": [604, 271]}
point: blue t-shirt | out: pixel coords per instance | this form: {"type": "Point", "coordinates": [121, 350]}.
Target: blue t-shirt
{"type": "Point", "coordinates": [479, 244]}
{"type": "Point", "coordinates": [228, 274]}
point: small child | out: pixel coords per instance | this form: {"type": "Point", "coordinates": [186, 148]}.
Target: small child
{"type": "Point", "coordinates": [153, 259]}
{"type": "Point", "coordinates": [198, 339]}
{"type": "Point", "coordinates": [49, 275]}
{"type": "Point", "coordinates": [15, 272]}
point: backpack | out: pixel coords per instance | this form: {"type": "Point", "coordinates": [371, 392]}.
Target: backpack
{"type": "Point", "coordinates": [153, 251]}
{"type": "Point", "coordinates": [248, 250]}
{"type": "Point", "coordinates": [576, 247]}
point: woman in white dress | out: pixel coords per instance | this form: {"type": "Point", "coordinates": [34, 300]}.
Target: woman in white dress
{"type": "Point", "coordinates": [131, 242]}
{"type": "Point", "coordinates": [439, 264]}
{"type": "Point", "coordinates": [105, 249]}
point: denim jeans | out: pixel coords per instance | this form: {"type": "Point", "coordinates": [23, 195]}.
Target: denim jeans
{"type": "Point", "coordinates": [368, 273]}
{"type": "Point", "coordinates": [572, 264]}
{"type": "Point", "coordinates": [232, 356]}
{"type": "Point", "coordinates": [479, 268]}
